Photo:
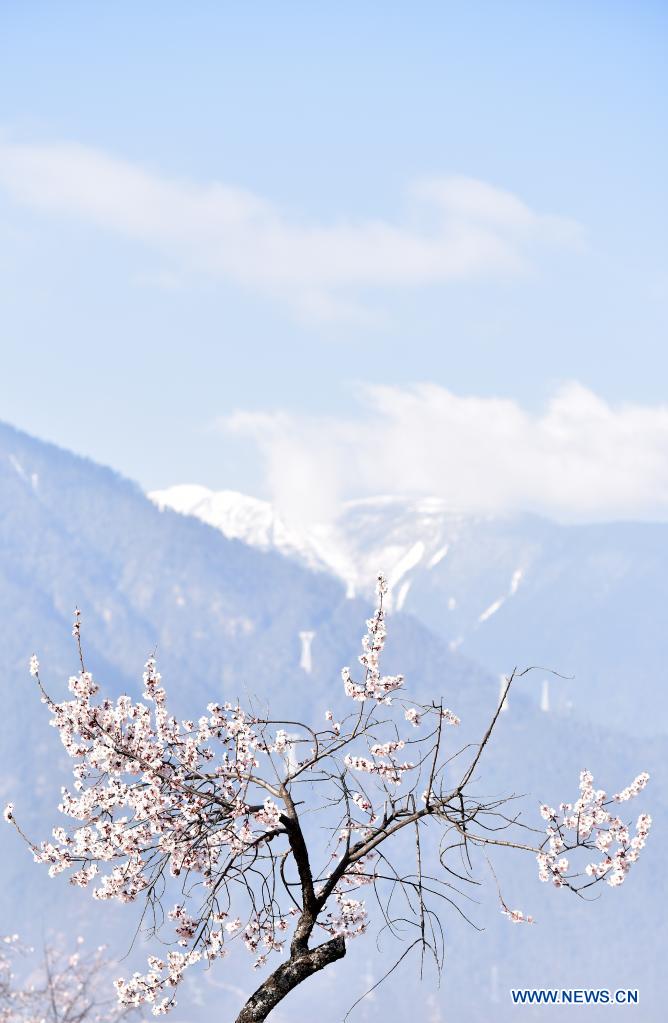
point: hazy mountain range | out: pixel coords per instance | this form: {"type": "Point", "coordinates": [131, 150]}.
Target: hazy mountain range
{"type": "Point", "coordinates": [225, 616]}
{"type": "Point", "coordinates": [587, 601]}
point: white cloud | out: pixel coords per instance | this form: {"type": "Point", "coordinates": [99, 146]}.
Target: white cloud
{"type": "Point", "coordinates": [580, 459]}
{"type": "Point", "coordinates": [455, 229]}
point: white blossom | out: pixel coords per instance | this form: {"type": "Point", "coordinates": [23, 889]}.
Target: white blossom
{"type": "Point", "coordinates": [595, 828]}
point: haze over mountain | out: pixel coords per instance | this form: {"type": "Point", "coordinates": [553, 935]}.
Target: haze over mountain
{"type": "Point", "coordinates": [585, 600]}
{"type": "Point", "coordinates": [226, 618]}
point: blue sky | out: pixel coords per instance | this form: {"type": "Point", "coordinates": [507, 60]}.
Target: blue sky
{"type": "Point", "coordinates": [221, 224]}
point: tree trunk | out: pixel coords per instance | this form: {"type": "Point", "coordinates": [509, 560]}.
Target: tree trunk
{"type": "Point", "coordinates": [299, 967]}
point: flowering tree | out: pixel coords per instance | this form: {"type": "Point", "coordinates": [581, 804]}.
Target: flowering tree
{"type": "Point", "coordinates": [67, 987]}
{"type": "Point", "coordinates": [229, 811]}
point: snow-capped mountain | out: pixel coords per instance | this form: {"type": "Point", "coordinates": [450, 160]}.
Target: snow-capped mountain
{"type": "Point", "coordinates": [381, 532]}
{"type": "Point", "coordinates": [587, 601]}
{"type": "Point", "coordinates": [255, 522]}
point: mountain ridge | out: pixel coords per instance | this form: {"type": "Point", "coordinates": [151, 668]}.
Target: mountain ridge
{"type": "Point", "coordinates": [584, 600]}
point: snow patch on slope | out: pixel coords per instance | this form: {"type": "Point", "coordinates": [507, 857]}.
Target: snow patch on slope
{"type": "Point", "coordinates": [32, 479]}
{"type": "Point", "coordinates": [515, 581]}
{"type": "Point", "coordinates": [438, 556]}
{"type": "Point", "coordinates": [512, 590]}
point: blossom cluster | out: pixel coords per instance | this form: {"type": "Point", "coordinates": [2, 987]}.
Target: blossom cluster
{"type": "Point", "coordinates": [636, 786]}
{"type": "Point", "coordinates": [364, 804]}
{"type": "Point", "coordinates": [414, 716]}
{"type": "Point", "coordinates": [589, 824]}
{"type": "Point", "coordinates": [516, 916]}
{"type": "Point", "coordinates": [164, 974]}
{"type": "Point", "coordinates": [392, 772]}
{"type": "Point", "coordinates": [375, 686]}
{"type": "Point", "coordinates": [382, 761]}
{"type": "Point", "coordinates": [351, 919]}
{"type": "Point", "coordinates": [150, 791]}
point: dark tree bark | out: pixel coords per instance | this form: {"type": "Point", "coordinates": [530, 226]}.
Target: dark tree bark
{"type": "Point", "coordinates": [300, 966]}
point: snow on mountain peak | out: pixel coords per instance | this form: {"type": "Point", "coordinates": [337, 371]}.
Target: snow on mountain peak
{"type": "Point", "coordinates": [238, 516]}
{"type": "Point", "coordinates": [388, 534]}
{"type": "Point", "coordinates": [249, 519]}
